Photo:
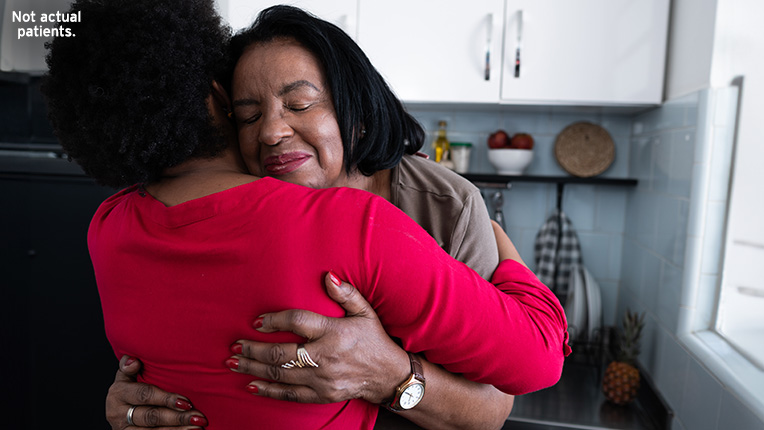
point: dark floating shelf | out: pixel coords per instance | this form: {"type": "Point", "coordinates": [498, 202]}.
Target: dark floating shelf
{"type": "Point", "coordinates": [506, 179]}
{"type": "Point", "coordinates": [483, 180]}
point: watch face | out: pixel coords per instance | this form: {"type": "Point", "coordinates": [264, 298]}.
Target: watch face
{"type": "Point", "coordinates": [411, 396]}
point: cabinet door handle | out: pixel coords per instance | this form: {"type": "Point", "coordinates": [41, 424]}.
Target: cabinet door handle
{"type": "Point", "coordinates": [519, 42]}
{"type": "Point", "coordinates": [488, 40]}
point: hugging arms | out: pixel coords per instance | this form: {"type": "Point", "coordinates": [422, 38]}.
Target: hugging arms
{"type": "Point", "coordinates": [280, 115]}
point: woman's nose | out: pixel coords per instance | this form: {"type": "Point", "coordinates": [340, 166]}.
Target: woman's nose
{"type": "Point", "coordinates": [274, 129]}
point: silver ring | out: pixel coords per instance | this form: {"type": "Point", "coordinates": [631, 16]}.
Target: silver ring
{"type": "Point", "coordinates": [303, 359]}
{"type": "Point", "coordinates": [130, 415]}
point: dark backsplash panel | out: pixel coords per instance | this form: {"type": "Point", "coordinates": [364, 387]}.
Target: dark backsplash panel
{"type": "Point", "coordinates": [23, 115]}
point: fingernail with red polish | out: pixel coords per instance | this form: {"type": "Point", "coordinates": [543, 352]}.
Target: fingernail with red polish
{"type": "Point", "coordinates": [334, 278]}
{"type": "Point", "coordinates": [129, 361]}
{"type": "Point", "coordinates": [236, 348]}
{"type": "Point", "coordinates": [183, 404]}
{"type": "Point", "coordinates": [253, 389]}
{"type": "Point", "coordinates": [196, 420]}
{"type": "Point", "coordinates": [233, 363]}
{"type": "Point", "coordinates": [258, 322]}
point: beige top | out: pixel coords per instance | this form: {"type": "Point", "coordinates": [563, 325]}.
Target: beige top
{"type": "Point", "coordinates": [449, 208]}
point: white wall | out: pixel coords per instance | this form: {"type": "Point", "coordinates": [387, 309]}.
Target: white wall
{"type": "Point", "coordinates": [739, 51]}
{"type": "Point", "coordinates": [691, 36]}
{"type": "Point", "coordinates": [711, 42]}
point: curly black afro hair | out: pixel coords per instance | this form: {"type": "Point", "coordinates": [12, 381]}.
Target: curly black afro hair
{"type": "Point", "coordinates": [127, 93]}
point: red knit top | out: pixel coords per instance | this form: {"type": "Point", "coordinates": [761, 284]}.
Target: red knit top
{"type": "Point", "coordinates": [180, 284]}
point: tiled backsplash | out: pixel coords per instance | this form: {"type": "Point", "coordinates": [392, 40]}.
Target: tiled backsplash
{"type": "Point", "coordinates": [681, 154]}
{"type": "Point", "coordinates": [662, 154]}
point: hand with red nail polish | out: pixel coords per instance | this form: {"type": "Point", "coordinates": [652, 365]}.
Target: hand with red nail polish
{"type": "Point", "coordinates": [155, 407]}
{"type": "Point", "coordinates": [357, 357]}
{"type": "Point", "coordinates": [236, 348]}
{"type": "Point", "coordinates": [232, 363]}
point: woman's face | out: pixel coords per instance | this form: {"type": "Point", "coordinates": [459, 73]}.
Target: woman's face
{"type": "Point", "coordinates": [284, 112]}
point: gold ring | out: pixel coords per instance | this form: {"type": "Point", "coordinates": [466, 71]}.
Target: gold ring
{"type": "Point", "coordinates": [303, 359]}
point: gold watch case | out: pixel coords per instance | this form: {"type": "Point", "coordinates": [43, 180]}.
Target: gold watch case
{"type": "Point", "coordinates": [411, 391]}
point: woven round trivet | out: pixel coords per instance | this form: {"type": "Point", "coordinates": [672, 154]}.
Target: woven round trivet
{"type": "Point", "coordinates": [584, 149]}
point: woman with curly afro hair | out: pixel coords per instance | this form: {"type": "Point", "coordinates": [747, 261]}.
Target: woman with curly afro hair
{"type": "Point", "coordinates": [143, 110]}
{"type": "Point", "coordinates": [195, 249]}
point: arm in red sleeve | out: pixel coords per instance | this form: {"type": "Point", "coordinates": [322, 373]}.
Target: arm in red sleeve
{"type": "Point", "coordinates": [541, 307]}
{"type": "Point", "coordinates": [512, 336]}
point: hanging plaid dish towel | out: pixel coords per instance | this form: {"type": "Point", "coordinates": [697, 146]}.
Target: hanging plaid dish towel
{"type": "Point", "coordinates": [557, 251]}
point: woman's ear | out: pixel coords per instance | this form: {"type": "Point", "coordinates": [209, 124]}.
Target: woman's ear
{"type": "Point", "coordinates": [221, 96]}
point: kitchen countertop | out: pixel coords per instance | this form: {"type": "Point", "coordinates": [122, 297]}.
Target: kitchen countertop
{"type": "Point", "coordinates": [576, 402]}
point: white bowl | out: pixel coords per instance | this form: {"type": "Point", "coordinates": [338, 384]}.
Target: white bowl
{"type": "Point", "coordinates": [510, 161]}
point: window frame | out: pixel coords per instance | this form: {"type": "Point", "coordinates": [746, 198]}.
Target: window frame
{"type": "Point", "coordinates": [706, 250]}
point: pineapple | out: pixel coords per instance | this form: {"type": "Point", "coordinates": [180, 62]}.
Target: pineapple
{"type": "Point", "coordinates": [621, 380]}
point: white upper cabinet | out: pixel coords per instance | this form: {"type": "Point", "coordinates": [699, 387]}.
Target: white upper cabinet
{"type": "Point", "coordinates": [435, 51]}
{"type": "Point", "coordinates": [343, 13]}
{"type": "Point", "coordinates": [592, 52]}
{"type": "Point", "coordinates": [571, 52]}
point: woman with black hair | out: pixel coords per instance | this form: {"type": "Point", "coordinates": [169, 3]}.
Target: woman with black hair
{"type": "Point", "coordinates": [343, 126]}
{"type": "Point", "coordinates": [373, 141]}
{"type": "Point", "coordinates": [180, 235]}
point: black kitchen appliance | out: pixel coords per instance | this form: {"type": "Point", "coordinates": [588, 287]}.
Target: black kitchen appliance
{"type": "Point", "coordinates": [56, 361]}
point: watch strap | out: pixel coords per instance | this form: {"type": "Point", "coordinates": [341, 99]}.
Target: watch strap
{"type": "Point", "coordinates": [416, 367]}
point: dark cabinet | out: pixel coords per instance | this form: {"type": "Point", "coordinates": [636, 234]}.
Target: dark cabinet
{"type": "Point", "coordinates": [57, 363]}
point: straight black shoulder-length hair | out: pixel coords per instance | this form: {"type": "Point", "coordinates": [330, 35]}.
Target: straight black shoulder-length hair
{"type": "Point", "coordinates": [375, 128]}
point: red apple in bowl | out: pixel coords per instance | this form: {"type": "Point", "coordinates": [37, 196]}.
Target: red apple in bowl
{"type": "Point", "coordinates": [498, 139]}
{"type": "Point", "coordinates": [521, 141]}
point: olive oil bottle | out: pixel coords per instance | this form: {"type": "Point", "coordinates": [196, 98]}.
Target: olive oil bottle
{"type": "Point", "coordinates": [441, 144]}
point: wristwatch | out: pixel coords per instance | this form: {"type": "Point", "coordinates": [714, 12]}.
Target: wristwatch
{"type": "Point", "coordinates": [411, 391]}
